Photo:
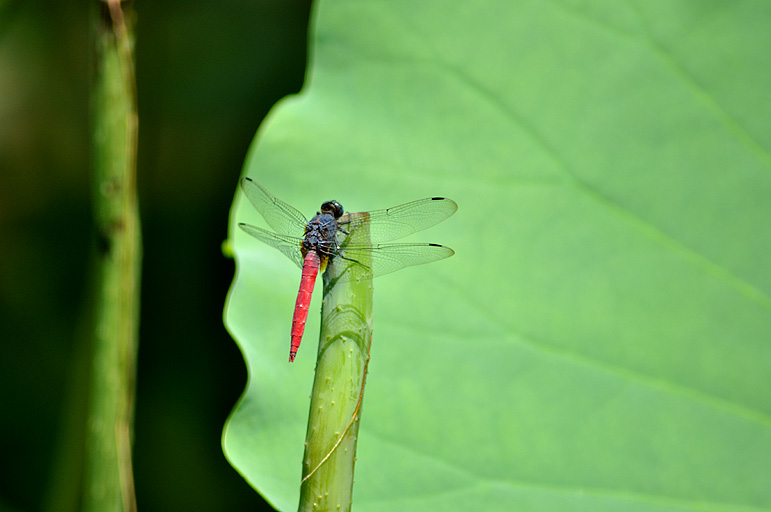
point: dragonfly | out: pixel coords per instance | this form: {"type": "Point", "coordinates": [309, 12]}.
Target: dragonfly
{"type": "Point", "coordinates": [313, 244]}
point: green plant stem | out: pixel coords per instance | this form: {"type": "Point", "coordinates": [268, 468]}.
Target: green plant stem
{"type": "Point", "coordinates": [338, 386]}
{"type": "Point", "coordinates": [108, 480]}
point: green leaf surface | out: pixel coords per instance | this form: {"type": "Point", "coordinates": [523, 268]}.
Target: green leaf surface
{"type": "Point", "coordinates": [601, 341]}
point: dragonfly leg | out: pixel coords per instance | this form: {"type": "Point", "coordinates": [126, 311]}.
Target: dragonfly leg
{"type": "Point", "coordinates": [339, 255]}
{"type": "Point", "coordinates": [340, 223]}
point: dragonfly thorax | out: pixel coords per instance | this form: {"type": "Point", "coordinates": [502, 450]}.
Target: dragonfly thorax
{"type": "Point", "coordinates": [321, 234]}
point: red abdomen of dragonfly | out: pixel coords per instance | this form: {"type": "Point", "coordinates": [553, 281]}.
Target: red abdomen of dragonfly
{"type": "Point", "coordinates": [318, 246]}
{"type": "Point", "coordinates": [311, 266]}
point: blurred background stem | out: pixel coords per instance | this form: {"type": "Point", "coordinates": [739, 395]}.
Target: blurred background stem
{"type": "Point", "coordinates": [207, 74]}
{"type": "Point", "coordinates": [108, 481]}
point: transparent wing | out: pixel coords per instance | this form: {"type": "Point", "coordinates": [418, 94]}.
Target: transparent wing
{"type": "Point", "coordinates": [289, 245]}
{"type": "Point", "coordinates": [387, 258]}
{"type": "Point", "coordinates": [284, 219]}
{"type": "Point", "coordinates": [400, 221]}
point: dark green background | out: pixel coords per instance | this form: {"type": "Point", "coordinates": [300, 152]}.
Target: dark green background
{"type": "Point", "coordinates": [207, 74]}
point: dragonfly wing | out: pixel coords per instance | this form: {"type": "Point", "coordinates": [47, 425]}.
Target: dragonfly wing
{"type": "Point", "coordinates": [289, 245]}
{"type": "Point", "coordinates": [400, 221]}
{"type": "Point", "coordinates": [386, 258]}
{"type": "Point", "coordinates": [284, 219]}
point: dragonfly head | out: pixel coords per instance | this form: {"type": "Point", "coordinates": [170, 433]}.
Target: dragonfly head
{"type": "Point", "coordinates": [333, 208]}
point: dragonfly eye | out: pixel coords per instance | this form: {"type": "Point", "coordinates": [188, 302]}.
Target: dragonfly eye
{"type": "Point", "coordinates": [333, 208]}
